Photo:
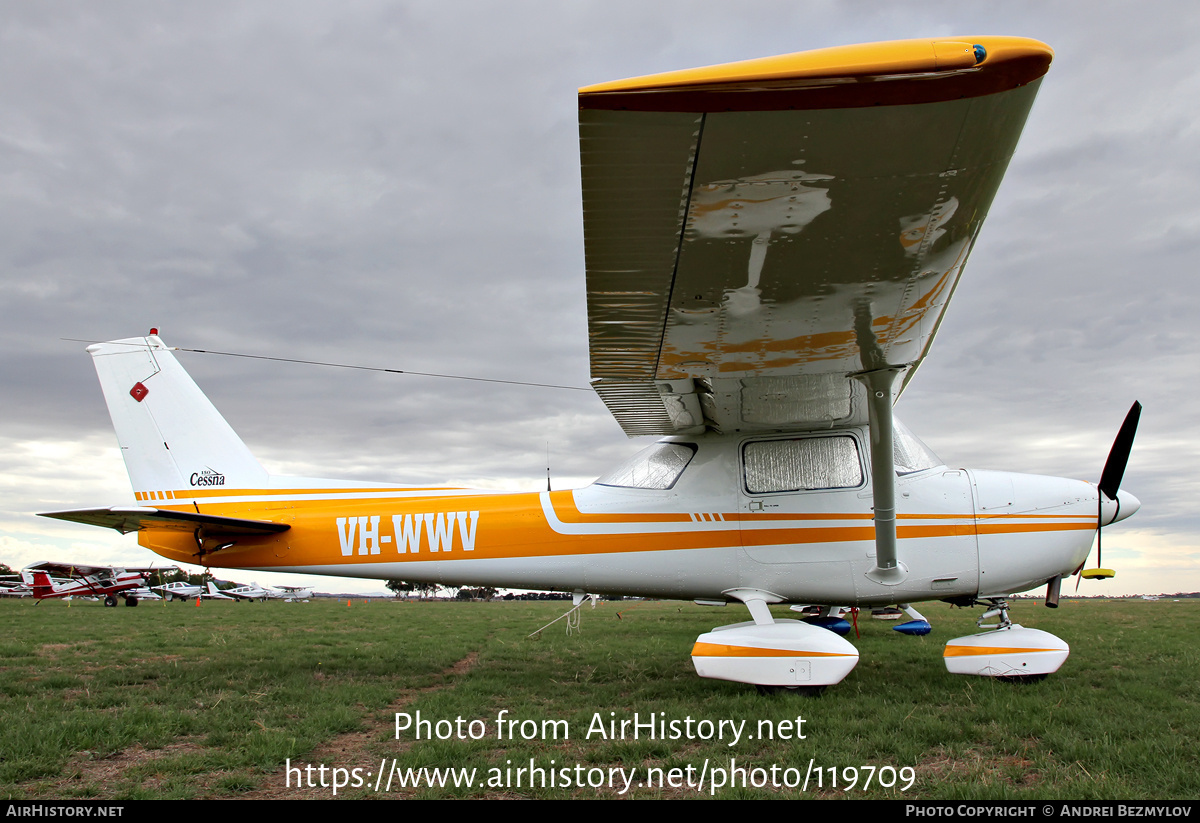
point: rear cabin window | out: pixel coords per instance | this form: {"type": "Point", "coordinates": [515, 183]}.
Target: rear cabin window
{"type": "Point", "coordinates": [656, 467]}
{"type": "Point", "coordinates": [802, 465]}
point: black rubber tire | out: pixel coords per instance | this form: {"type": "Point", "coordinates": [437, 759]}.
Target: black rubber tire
{"type": "Point", "coordinates": [799, 691]}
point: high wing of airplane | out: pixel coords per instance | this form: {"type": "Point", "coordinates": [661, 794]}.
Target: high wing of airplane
{"type": "Point", "coordinates": [770, 248]}
{"type": "Point", "coordinates": [78, 580]}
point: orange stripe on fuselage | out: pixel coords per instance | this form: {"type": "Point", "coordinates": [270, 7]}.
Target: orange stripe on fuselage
{"type": "Point", "coordinates": [187, 494]}
{"type": "Point", "coordinates": [752, 516]}
{"type": "Point", "coordinates": [561, 499]}
{"type": "Point", "coordinates": [513, 525]}
{"type": "Point", "coordinates": [1014, 528]}
{"type": "Point", "coordinates": [509, 526]}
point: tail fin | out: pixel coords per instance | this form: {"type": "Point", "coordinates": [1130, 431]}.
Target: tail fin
{"type": "Point", "coordinates": [40, 583]}
{"type": "Point", "coordinates": [171, 436]}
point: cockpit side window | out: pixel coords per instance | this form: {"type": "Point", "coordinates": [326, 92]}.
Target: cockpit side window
{"type": "Point", "coordinates": [657, 467]}
{"type": "Point", "coordinates": [803, 464]}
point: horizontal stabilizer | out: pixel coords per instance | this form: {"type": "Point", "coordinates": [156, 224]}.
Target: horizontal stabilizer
{"type": "Point", "coordinates": [126, 519]}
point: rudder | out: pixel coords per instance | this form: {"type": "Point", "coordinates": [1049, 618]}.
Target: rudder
{"type": "Point", "coordinates": [39, 583]}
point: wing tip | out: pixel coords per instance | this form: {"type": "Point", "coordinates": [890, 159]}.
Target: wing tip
{"type": "Point", "coordinates": [998, 63]}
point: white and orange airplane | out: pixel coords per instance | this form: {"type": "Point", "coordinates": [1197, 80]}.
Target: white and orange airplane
{"type": "Point", "coordinates": [770, 246]}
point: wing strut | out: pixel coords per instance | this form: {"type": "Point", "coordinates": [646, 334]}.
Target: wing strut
{"type": "Point", "coordinates": [888, 570]}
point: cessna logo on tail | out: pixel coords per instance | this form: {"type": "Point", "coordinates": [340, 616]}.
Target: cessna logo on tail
{"type": "Point", "coordinates": [208, 477]}
{"type": "Point", "coordinates": [435, 530]}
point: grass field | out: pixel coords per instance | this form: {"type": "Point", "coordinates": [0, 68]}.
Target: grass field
{"type": "Point", "coordinates": [175, 701]}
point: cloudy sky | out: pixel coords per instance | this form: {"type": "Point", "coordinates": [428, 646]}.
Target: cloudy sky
{"type": "Point", "coordinates": [397, 184]}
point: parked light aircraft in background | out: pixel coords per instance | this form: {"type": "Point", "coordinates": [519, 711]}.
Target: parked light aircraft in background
{"type": "Point", "coordinates": [213, 593]}
{"type": "Point", "coordinates": [10, 588]}
{"type": "Point", "coordinates": [291, 593]}
{"type": "Point", "coordinates": [257, 592]}
{"type": "Point", "coordinates": [251, 592]}
{"type": "Point", "coordinates": [178, 590]}
{"type": "Point", "coordinates": [770, 247]}
{"type": "Point", "coordinates": [86, 581]}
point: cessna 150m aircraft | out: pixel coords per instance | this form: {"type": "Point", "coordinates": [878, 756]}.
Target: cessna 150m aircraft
{"type": "Point", "coordinates": [770, 248]}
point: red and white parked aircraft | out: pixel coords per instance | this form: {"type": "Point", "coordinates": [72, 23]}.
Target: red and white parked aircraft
{"type": "Point", "coordinates": [86, 581]}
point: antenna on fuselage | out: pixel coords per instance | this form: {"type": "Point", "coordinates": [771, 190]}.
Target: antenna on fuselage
{"type": "Point", "coordinates": [547, 465]}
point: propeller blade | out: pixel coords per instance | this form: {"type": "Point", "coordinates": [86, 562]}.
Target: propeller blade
{"type": "Point", "coordinates": [1118, 456]}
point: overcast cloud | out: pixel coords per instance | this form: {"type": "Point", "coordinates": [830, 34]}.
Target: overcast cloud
{"type": "Point", "coordinates": [397, 184]}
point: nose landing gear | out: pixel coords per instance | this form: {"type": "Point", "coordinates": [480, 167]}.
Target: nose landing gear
{"type": "Point", "coordinates": [1007, 650]}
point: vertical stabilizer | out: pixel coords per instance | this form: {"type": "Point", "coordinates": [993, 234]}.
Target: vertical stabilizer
{"type": "Point", "coordinates": [171, 436]}
{"type": "Point", "coordinates": [40, 584]}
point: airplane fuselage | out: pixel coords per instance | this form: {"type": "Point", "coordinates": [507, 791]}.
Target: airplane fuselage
{"type": "Point", "coordinates": [718, 526]}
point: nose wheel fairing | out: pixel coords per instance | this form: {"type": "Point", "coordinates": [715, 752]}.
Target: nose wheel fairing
{"type": "Point", "coordinates": [1007, 650]}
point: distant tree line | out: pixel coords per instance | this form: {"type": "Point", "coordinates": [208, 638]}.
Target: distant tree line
{"type": "Point", "coordinates": [401, 587]}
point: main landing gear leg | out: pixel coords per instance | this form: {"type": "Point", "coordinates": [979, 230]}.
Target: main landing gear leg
{"type": "Point", "coordinates": [1007, 650]}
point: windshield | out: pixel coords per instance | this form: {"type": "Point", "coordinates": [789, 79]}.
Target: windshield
{"type": "Point", "coordinates": [909, 453]}
{"type": "Point", "coordinates": [656, 467]}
